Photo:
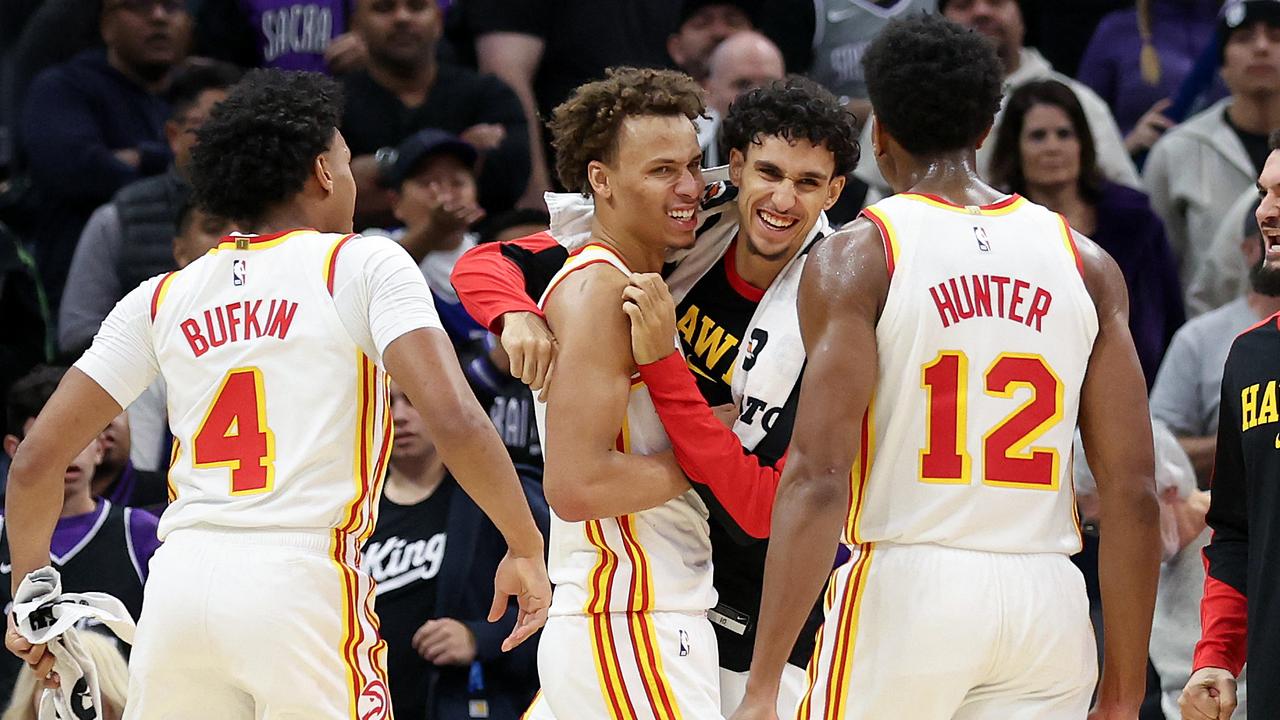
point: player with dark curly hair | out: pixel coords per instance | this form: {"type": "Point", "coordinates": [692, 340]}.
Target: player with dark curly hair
{"type": "Point", "coordinates": [956, 337]}
{"type": "Point", "coordinates": [792, 144]}
{"type": "Point", "coordinates": [276, 348]}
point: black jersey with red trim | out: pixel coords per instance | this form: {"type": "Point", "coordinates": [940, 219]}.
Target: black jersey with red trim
{"type": "Point", "coordinates": [1243, 558]}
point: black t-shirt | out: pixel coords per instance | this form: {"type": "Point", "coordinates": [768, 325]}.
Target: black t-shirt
{"type": "Point", "coordinates": [404, 556]}
{"type": "Point", "coordinates": [375, 118]}
{"type": "Point", "coordinates": [1255, 145]}
{"type": "Point", "coordinates": [711, 321]}
{"type": "Point", "coordinates": [583, 37]}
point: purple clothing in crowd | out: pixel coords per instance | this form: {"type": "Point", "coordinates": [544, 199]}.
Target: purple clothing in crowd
{"type": "Point", "coordinates": [284, 34]}
{"type": "Point", "coordinates": [1130, 231]}
{"type": "Point", "coordinates": [1180, 31]}
{"type": "Point", "coordinates": [71, 531]}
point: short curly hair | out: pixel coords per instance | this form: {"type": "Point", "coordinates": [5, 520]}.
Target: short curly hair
{"type": "Point", "coordinates": [794, 108]}
{"type": "Point", "coordinates": [934, 86]}
{"type": "Point", "coordinates": [256, 149]}
{"type": "Point", "coordinates": [585, 127]}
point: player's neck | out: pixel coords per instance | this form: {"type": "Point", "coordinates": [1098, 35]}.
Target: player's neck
{"type": "Point", "coordinates": [637, 256]}
{"type": "Point", "coordinates": [952, 177]}
{"type": "Point", "coordinates": [291, 215]}
{"type": "Point", "coordinates": [78, 503]}
{"type": "Point", "coordinates": [759, 271]}
{"type": "Point", "coordinates": [1264, 306]}
{"type": "Point", "coordinates": [1255, 114]}
{"type": "Point", "coordinates": [414, 478]}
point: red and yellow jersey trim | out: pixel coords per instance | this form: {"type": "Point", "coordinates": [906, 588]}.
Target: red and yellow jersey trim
{"type": "Point", "coordinates": [585, 256]}
{"type": "Point", "coordinates": [256, 242]}
{"type": "Point", "coordinates": [889, 236]}
{"type": "Point", "coordinates": [1069, 240]}
{"type": "Point", "coordinates": [1001, 207]}
{"type": "Point", "coordinates": [861, 474]}
{"type": "Point", "coordinates": [161, 291]}
{"type": "Point", "coordinates": [331, 261]}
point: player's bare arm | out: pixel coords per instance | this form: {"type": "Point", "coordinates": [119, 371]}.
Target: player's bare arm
{"type": "Point", "coordinates": [586, 477]}
{"type": "Point", "coordinates": [423, 363]}
{"type": "Point", "coordinates": [72, 418]}
{"type": "Point", "coordinates": [1116, 427]}
{"type": "Point", "coordinates": [841, 294]}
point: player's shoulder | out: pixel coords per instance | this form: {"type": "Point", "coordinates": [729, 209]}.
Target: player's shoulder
{"type": "Point", "coordinates": [857, 247]}
{"type": "Point", "coordinates": [1264, 333]}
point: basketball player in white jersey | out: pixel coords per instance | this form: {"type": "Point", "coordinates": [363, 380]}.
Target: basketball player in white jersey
{"type": "Point", "coordinates": [955, 336]}
{"type": "Point", "coordinates": [275, 348]}
{"type": "Point", "coordinates": [630, 551]}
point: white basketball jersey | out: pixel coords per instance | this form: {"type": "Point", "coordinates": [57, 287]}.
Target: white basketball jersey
{"type": "Point", "coordinates": [278, 418]}
{"type": "Point", "coordinates": [655, 560]}
{"type": "Point", "coordinates": [983, 343]}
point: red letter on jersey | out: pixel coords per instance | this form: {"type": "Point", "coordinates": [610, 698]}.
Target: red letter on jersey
{"type": "Point", "coordinates": [191, 331]}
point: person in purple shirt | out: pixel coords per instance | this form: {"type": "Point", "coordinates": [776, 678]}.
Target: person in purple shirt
{"type": "Point", "coordinates": [310, 35]}
{"type": "Point", "coordinates": [97, 545]}
{"type": "Point", "coordinates": [1138, 58]}
{"type": "Point", "coordinates": [1045, 152]}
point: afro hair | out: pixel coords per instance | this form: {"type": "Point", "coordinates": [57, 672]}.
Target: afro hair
{"type": "Point", "coordinates": [257, 147]}
{"type": "Point", "coordinates": [934, 86]}
{"type": "Point", "coordinates": [794, 108]}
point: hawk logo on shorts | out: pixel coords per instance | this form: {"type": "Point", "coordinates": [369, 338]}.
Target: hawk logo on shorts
{"type": "Point", "coordinates": [239, 269]}
{"type": "Point", "coordinates": [373, 703]}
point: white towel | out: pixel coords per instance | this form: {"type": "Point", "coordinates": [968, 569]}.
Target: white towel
{"type": "Point", "coordinates": [46, 615]}
{"type": "Point", "coordinates": [766, 379]}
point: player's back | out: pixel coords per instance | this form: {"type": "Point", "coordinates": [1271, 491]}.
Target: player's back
{"type": "Point", "coordinates": [280, 419]}
{"type": "Point", "coordinates": [983, 344]}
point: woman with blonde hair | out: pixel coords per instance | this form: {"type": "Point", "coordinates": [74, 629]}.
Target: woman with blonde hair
{"type": "Point", "coordinates": [113, 681]}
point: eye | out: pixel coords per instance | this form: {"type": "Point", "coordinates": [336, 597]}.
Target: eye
{"type": "Point", "coordinates": [771, 173]}
{"type": "Point", "coordinates": [1037, 135]}
{"type": "Point", "coordinates": [808, 184]}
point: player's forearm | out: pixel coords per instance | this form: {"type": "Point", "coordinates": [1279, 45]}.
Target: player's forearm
{"type": "Point", "coordinates": [1129, 569]}
{"type": "Point", "coordinates": [590, 486]}
{"type": "Point", "coordinates": [808, 515]}
{"type": "Point", "coordinates": [33, 501]}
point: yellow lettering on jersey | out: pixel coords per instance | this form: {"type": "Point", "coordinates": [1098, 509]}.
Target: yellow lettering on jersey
{"type": "Point", "coordinates": [709, 343]}
{"type": "Point", "coordinates": [1249, 407]}
{"type": "Point", "coordinates": [688, 324]}
{"type": "Point", "coordinates": [1268, 414]}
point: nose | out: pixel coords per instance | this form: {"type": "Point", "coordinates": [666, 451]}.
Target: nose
{"type": "Point", "coordinates": [784, 196]}
{"type": "Point", "coordinates": [690, 184]}
{"type": "Point", "coordinates": [1268, 210]}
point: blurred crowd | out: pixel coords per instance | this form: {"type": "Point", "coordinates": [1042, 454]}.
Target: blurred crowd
{"type": "Point", "coordinates": [1144, 123]}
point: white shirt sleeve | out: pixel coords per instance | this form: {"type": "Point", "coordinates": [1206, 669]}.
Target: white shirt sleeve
{"type": "Point", "coordinates": [122, 358]}
{"type": "Point", "coordinates": [381, 294]}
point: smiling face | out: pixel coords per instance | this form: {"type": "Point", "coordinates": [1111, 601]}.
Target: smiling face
{"type": "Point", "coordinates": [1268, 215]}
{"type": "Point", "coordinates": [653, 182]}
{"type": "Point", "coordinates": [782, 188]}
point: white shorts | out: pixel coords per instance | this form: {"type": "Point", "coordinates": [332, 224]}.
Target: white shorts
{"type": "Point", "coordinates": [733, 688]}
{"type": "Point", "coordinates": [627, 666]}
{"type": "Point", "coordinates": [934, 633]}
{"type": "Point", "coordinates": [256, 625]}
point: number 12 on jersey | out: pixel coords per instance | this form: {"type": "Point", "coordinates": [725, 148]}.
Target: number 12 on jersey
{"type": "Point", "coordinates": [234, 434]}
{"type": "Point", "coordinates": [1008, 457]}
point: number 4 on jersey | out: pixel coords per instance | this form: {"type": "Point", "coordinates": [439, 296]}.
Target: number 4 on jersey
{"type": "Point", "coordinates": [234, 434]}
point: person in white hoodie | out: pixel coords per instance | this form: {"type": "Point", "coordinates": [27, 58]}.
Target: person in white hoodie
{"type": "Point", "coordinates": [1200, 168]}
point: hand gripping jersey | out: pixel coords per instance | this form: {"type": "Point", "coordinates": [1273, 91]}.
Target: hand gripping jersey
{"type": "Point", "coordinates": [277, 400]}
{"type": "Point", "coordinates": [983, 343]}
{"type": "Point", "coordinates": [655, 560]}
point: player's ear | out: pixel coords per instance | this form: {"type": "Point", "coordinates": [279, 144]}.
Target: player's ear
{"type": "Point", "coordinates": [598, 177]}
{"type": "Point", "coordinates": [11, 445]}
{"type": "Point", "coordinates": [833, 191]}
{"type": "Point", "coordinates": [323, 172]}
{"type": "Point", "coordinates": [737, 161]}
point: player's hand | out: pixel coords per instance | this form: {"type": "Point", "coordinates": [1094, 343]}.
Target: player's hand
{"type": "Point", "coordinates": [40, 662]}
{"type": "Point", "coordinates": [647, 301]}
{"type": "Point", "coordinates": [485, 136]}
{"type": "Point", "coordinates": [1210, 694]}
{"type": "Point", "coordinates": [346, 53]}
{"type": "Point", "coordinates": [445, 642]}
{"type": "Point", "coordinates": [526, 579]}
{"type": "Point", "coordinates": [756, 710]}
{"type": "Point", "coordinates": [1149, 128]}
{"type": "Point", "coordinates": [531, 347]}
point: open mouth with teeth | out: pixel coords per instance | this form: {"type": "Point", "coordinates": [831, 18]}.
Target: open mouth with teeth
{"type": "Point", "coordinates": [775, 222]}
{"type": "Point", "coordinates": [681, 215]}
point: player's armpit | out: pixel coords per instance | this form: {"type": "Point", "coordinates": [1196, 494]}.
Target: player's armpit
{"type": "Point", "coordinates": [586, 476]}
{"type": "Point", "coordinates": [841, 294]}
{"type": "Point", "coordinates": [1116, 428]}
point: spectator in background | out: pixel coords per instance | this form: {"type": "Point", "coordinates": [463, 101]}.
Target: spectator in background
{"type": "Point", "coordinates": [1189, 385]}
{"type": "Point", "coordinates": [1044, 150]}
{"type": "Point", "coordinates": [97, 546]}
{"type": "Point", "coordinates": [1138, 58]}
{"type": "Point", "coordinates": [704, 26]}
{"type": "Point", "coordinates": [404, 89]}
{"type": "Point", "coordinates": [25, 333]}
{"type": "Point", "coordinates": [544, 49]}
{"type": "Point", "coordinates": [130, 238]}
{"type": "Point", "coordinates": [1198, 169]}
{"type": "Point", "coordinates": [1222, 275]}
{"type": "Point", "coordinates": [113, 681]}
{"type": "Point", "coordinates": [746, 61]}
{"type": "Point", "coordinates": [286, 34]}
{"type": "Point", "coordinates": [95, 123]}
{"type": "Point", "coordinates": [433, 196]}
{"type": "Point", "coordinates": [431, 556]}
{"type": "Point", "coordinates": [842, 31]}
